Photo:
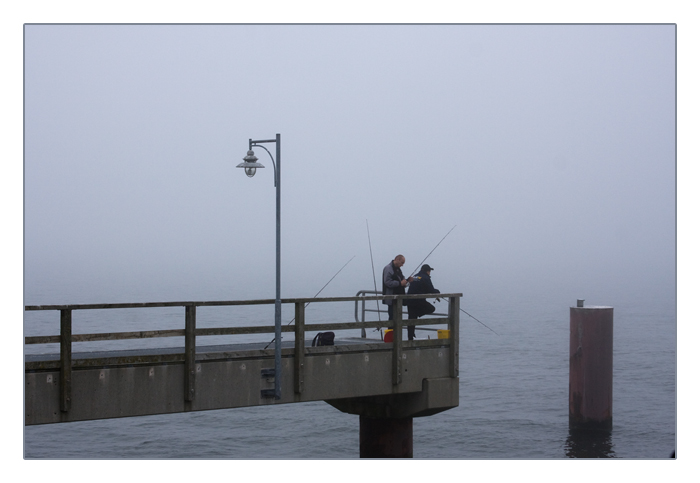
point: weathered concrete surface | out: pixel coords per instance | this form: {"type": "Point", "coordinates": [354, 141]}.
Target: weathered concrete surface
{"type": "Point", "coordinates": [436, 395]}
{"type": "Point", "coordinates": [386, 421]}
{"type": "Point", "coordinates": [229, 377]}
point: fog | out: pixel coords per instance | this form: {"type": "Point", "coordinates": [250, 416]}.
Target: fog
{"type": "Point", "coordinates": [550, 147]}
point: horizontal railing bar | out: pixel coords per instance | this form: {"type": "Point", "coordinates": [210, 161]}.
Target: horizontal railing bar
{"type": "Point", "coordinates": [144, 334]}
{"type": "Point", "coordinates": [210, 331]}
{"type": "Point", "coordinates": [231, 302]}
{"type": "Point", "coordinates": [375, 324]}
{"type": "Point", "coordinates": [206, 331]}
{"type": "Point", "coordinates": [384, 312]}
{"type": "Point", "coordinates": [312, 327]}
{"type": "Point", "coordinates": [53, 339]}
{"type": "Point", "coordinates": [139, 305]}
{"type": "Point", "coordinates": [43, 339]}
{"type": "Point", "coordinates": [155, 333]}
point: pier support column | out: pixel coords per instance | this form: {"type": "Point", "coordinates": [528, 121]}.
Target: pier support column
{"type": "Point", "coordinates": [386, 421]}
{"type": "Point", "coordinates": [590, 367]}
{"type": "Point", "coordinates": [386, 437]}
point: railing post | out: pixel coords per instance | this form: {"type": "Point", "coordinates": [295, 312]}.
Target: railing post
{"type": "Point", "coordinates": [299, 334]}
{"type": "Point", "coordinates": [453, 314]}
{"type": "Point", "coordinates": [66, 361]}
{"type": "Point", "coordinates": [398, 339]}
{"type": "Point", "coordinates": [364, 332]}
{"type": "Point", "coordinates": [190, 350]}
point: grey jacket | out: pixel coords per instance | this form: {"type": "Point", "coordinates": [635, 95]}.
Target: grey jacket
{"type": "Point", "coordinates": [391, 282]}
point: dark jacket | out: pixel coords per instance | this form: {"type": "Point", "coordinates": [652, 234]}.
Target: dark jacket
{"type": "Point", "coordinates": [422, 284]}
{"type": "Point", "coordinates": [391, 282]}
{"type": "Point", "coordinates": [419, 307]}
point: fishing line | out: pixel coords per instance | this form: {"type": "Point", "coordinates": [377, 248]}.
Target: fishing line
{"type": "Point", "coordinates": [326, 285]}
{"type": "Point", "coordinates": [470, 315]}
{"type": "Point", "coordinates": [421, 263]}
{"type": "Point", "coordinates": [431, 251]}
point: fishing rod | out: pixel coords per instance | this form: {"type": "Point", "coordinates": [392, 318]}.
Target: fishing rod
{"type": "Point", "coordinates": [421, 263]}
{"type": "Point", "coordinates": [379, 315]}
{"type": "Point", "coordinates": [431, 251]}
{"type": "Point", "coordinates": [470, 315]}
{"type": "Point", "coordinates": [326, 285]}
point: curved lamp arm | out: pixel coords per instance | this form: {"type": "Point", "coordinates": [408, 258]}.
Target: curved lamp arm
{"type": "Point", "coordinates": [274, 166]}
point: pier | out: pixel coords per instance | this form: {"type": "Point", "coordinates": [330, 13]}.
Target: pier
{"type": "Point", "coordinates": [386, 384]}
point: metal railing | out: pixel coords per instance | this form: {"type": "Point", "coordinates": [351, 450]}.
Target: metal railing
{"type": "Point", "coordinates": [190, 332]}
{"type": "Point", "coordinates": [360, 313]}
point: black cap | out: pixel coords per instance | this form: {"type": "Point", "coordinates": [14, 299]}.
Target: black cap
{"type": "Point", "coordinates": [426, 268]}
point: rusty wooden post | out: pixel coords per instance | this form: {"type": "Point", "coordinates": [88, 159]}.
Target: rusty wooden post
{"type": "Point", "coordinates": [190, 350]}
{"type": "Point", "coordinates": [299, 334]}
{"type": "Point", "coordinates": [66, 359]}
{"type": "Point", "coordinates": [398, 340]}
{"type": "Point", "coordinates": [590, 367]}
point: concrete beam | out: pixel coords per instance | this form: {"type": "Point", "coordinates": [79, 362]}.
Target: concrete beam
{"type": "Point", "coordinates": [437, 395]}
{"type": "Point", "coordinates": [234, 379]}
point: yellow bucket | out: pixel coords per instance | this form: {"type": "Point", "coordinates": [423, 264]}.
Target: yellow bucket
{"type": "Point", "coordinates": [443, 334]}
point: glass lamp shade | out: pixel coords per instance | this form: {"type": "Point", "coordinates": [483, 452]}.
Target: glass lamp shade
{"type": "Point", "coordinates": [250, 164]}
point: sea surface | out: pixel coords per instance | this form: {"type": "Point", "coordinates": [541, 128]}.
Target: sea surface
{"type": "Point", "coordinates": [513, 389]}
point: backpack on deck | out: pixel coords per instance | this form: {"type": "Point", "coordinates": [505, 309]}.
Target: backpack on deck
{"type": "Point", "coordinates": [323, 338]}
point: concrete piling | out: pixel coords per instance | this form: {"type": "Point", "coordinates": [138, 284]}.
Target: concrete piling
{"type": "Point", "coordinates": [590, 367]}
{"type": "Point", "coordinates": [386, 437]}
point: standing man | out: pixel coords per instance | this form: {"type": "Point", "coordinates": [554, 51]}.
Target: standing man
{"type": "Point", "coordinates": [393, 282]}
{"type": "Point", "coordinates": [420, 307]}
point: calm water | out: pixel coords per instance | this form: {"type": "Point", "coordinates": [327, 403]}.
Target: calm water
{"type": "Point", "coordinates": [513, 392]}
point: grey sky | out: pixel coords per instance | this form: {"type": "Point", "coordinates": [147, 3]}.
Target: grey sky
{"type": "Point", "coordinates": [552, 148]}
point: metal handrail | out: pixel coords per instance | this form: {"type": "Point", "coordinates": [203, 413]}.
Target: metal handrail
{"type": "Point", "coordinates": [363, 293]}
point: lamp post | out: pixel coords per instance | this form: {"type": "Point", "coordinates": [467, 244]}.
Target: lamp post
{"type": "Point", "coordinates": [250, 164]}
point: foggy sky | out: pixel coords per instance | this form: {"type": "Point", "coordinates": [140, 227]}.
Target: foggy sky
{"type": "Point", "coordinates": [551, 147]}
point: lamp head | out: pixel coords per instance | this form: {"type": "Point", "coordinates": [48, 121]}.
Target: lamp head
{"type": "Point", "coordinates": [250, 164]}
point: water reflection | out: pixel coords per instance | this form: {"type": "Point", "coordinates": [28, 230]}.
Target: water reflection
{"type": "Point", "coordinates": [582, 443]}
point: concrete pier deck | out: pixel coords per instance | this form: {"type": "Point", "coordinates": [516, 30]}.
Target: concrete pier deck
{"type": "Point", "coordinates": [356, 375]}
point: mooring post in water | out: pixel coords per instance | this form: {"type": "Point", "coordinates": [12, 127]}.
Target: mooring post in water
{"type": "Point", "coordinates": [590, 367]}
{"type": "Point", "coordinates": [386, 437]}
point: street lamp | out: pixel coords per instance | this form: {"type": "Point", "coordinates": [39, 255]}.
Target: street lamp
{"type": "Point", "coordinates": [250, 164]}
